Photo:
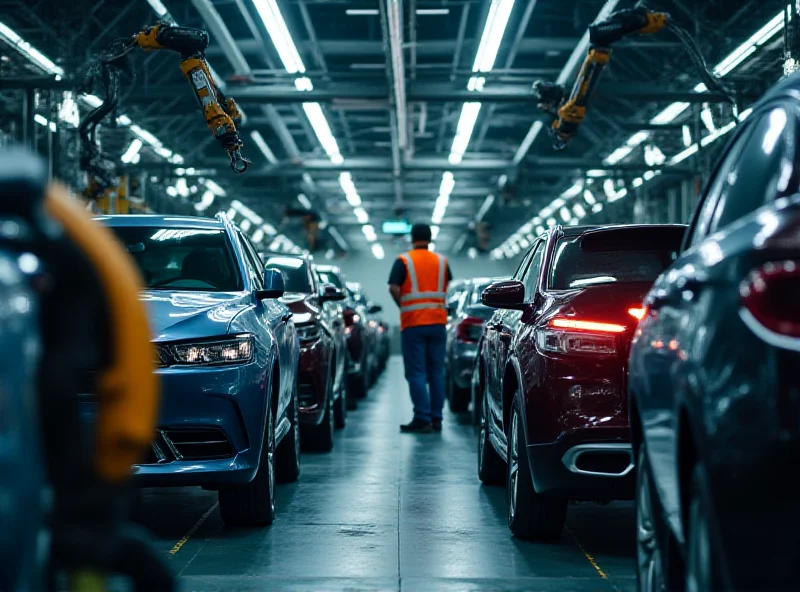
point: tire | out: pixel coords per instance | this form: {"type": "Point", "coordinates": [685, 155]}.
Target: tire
{"type": "Point", "coordinates": [340, 407]}
{"type": "Point", "coordinates": [457, 398]}
{"type": "Point", "coordinates": [360, 382]}
{"type": "Point", "coordinates": [352, 401]}
{"type": "Point", "coordinates": [702, 568]}
{"type": "Point", "coordinates": [253, 504]}
{"type": "Point", "coordinates": [319, 438]}
{"type": "Point", "coordinates": [476, 398]}
{"type": "Point", "coordinates": [287, 458]}
{"type": "Point", "coordinates": [530, 515]}
{"type": "Point", "coordinates": [649, 565]}
{"type": "Point", "coordinates": [491, 467]}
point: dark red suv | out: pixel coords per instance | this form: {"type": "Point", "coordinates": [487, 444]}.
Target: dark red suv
{"type": "Point", "coordinates": [552, 369]}
{"type": "Point", "coordinates": [322, 375]}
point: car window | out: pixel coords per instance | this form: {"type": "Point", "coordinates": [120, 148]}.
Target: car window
{"type": "Point", "coordinates": [523, 266]}
{"type": "Point", "coordinates": [765, 169]}
{"type": "Point", "coordinates": [329, 277]}
{"type": "Point", "coordinates": [177, 259]}
{"type": "Point", "coordinates": [295, 272]}
{"type": "Point", "coordinates": [703, 217]}
{"type": "Point", "coordinates": [531, 278]}
{"type": "Point", "coordinates": [620, 256]}
{"type": "Point", "coordinates": [253, 262]}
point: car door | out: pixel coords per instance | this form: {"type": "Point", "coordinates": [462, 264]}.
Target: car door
{"type": "Point", "coordinates": [752, 172]}
{"type": "Point", "coordinates": [493, 376]}
{"type": "Point", "coordinates": [516, 323]}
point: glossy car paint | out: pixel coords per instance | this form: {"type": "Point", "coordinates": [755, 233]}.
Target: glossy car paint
{"type": "Point", "coordinates": [461, 353]}
{"type": "Point", "coordinates": [368, 333]}
{"type": "Point", "coordinates": [710, 386]}
{"type": "Point", "coordinates": [568, 399]}
{"type": "Point", "coordinates": [232, 398]}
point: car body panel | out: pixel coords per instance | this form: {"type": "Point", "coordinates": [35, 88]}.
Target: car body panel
{"type": "Point", "coordinates": [229, 399]}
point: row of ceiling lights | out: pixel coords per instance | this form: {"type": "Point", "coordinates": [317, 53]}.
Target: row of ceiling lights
{"type": "Point", "coordinates": [653, 155]}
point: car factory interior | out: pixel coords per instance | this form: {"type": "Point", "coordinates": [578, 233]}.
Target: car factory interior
{"type": "Point", "coordinates": [399, 295]}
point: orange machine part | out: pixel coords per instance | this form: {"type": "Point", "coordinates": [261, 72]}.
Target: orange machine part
{"type": "Point", "coordinates": [129, 387]}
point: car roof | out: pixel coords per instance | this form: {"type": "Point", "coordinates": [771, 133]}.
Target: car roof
{"type": "Point", "coordinates": [162, 221]}
{"type": "Point", "coordinates": [304, 256]}
{"type": "Point", "coordinates": [579, 230]}
{"type": "Point", "coordinates": [328, 268]}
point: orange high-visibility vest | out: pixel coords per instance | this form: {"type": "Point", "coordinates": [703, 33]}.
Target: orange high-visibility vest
{"type": "Point", "coordinates": [422, 295]}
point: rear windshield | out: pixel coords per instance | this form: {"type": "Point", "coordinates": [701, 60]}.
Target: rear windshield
{"type": "Point", "coordinates": [589, 260]}
{"type": "Point", "coordinates": [295, 272]}
{"type": "Point", "coordinates": [328, 277]}
{"type": "Point", "coordinates": [178, 259]}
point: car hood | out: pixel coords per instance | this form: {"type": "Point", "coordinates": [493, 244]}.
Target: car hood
{"type": "Point", "coordinates": [184, 315]}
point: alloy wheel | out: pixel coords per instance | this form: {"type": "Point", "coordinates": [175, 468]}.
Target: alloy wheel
{"type": "Point", "coordinates": [648, 555]}
{"type": "Point", "coordinates": [482, 438]}
{"type": "Point", "coordinates": [271, 458]}
{"type": "Point", "coordinates": [296, 426]}
{"type": "Point", "coordinates": [513, 465]}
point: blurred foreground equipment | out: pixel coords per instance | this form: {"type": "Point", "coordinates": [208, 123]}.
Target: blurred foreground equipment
{"type": "Point", "coordinates": [74, 317]}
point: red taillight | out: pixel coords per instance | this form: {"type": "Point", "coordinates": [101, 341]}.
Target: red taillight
{"type": "Point", "coordinates": [594, 326]}
{"type": "Point", "coordinates": [574, 336]}
{"type": "Point", "coordinates": [770, 294]}
{"type": "Point", "coordinates": [638, 313]}
{"type": "Point", "coordinates": [470, 330]}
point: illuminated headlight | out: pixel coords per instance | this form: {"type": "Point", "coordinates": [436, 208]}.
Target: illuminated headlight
{"type": "Point", "coordinates": [234, 350]}
{"type": "Point", "coordinates": [308, 333]}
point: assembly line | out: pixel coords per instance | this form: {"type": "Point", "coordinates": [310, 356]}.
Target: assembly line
{"type": "Point", "coordinates": [556, 357]}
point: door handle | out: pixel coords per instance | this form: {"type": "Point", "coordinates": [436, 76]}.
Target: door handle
{"type": "Point", "coordinates": [286, 316]}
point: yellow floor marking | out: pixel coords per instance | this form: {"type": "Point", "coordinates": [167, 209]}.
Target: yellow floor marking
{"type": "Point", "coordinates": [193, 530]}
{"type": "Point", "coordinates": [586, 553]}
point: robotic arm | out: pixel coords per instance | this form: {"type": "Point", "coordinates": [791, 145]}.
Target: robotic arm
{"type": "Point", "coordinates": [569, 112]}
{"type": "Point", "coordinates": [219, 111]}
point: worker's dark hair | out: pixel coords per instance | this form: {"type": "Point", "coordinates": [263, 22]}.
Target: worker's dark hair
{"type": "Point", "coordinates": [421, 233]}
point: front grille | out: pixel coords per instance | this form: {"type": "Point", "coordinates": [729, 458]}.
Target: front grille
{"type": "Point", "coordinates": [614, 463]}
{"type": "Point", "coordinates": [199, 443]}
{"type": "Point", "coordinates": [189, 444]}
{"type": "Point", "coordinates": [306, 395]}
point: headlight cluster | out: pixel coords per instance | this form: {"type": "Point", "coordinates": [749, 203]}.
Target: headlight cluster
{"type": "Point", "coordinates": [308, 333]}
{"type": "Point", "coordinates": [237, 349]}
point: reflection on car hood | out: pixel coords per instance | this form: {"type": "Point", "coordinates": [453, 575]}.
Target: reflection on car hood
{"type": "Point", "coordinates": [184, 315]}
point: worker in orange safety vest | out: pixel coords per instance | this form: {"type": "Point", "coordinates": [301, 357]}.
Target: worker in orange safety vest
{"type": "Point", "coordinates": [418, 284]}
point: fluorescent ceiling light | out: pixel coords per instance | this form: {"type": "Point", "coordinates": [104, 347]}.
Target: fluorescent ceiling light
{"type": "Point", "coordinates": [338, 238]}
{"type": "Point", "coordinates": [211, 185]}
{"type": "Point", "coordinates": [492, 36]}
{"type": "Point", "coordinates": [362, 11]}
{"type": "Point", "coordinates": [487, 203]}
{"type": "Point", "coordinates": [708, 119]}
{"type": "Point", "coordinates": [258, 235]}
{"type": "Point", "coordinates": [132, 151]}
{"type": "Point", "coordinates": [262, 145]}
{"type": "Point", "coordinates": [434, 232]}
{"type": "Point", "coordinates": [158, 7]}
{"type": "Point", "coordinates": [377, 250]}
{"type": "Point", "coordinates": [323, 131]}
{"type": "Point", "coordinates": [361, 215]}
{"type": "Point", "coordinates": [687, 136]}
{"type": "Point", "coordinates": [432, 11]}
{"type": "Point", "coordinates": [44, 122]}
{"type": "Point", "coordinates": [637, 182]}
{"type": "Point", "coordinates": [369, 232]}
{"type": "Point", "coordinates": [205, 201]}
{"type": "Point", "coordinates": [596, 173]}
{"type": "Point", "coordinates": [30, 52]}
{"type": "Point", "coordinates": [683, 155]}
{"type": "Point", "coordinates": [466, 123]}
{"type": "Point", "coordinates": [304, 201]}
{"type": "Point", "coordinates": [231, 214]}
{"type": "Point", "coordinates": [579, 210]}
{"type": "Point", "coordinates": [565, 214]}
{"type": "Point", "coordinates": [182, 187]}
{"type": "Point", "coordinates": [279, 33]}
{"type": "Point", "coordinates": [447, 184]}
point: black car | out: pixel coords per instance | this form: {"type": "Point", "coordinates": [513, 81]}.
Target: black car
{"type": "Point", "coordinates": [714, 387]}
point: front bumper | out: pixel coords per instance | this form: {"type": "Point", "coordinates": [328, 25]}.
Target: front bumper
{"type": "Point", "coordinates": [462, 361]}
{"type": "Point", "coordinates": [593, 464]}
{"type": "Point", "coordinates": [210, 427]}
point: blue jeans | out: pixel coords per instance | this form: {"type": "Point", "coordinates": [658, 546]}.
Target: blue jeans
{"type": "Point", "coordinates": [423, 356]}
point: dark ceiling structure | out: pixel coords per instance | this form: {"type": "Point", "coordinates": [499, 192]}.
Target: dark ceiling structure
{"type": "Point", "coordinates": [404, 109]}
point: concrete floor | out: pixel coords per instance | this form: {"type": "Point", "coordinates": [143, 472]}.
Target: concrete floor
{"type": "Point", "coordinates": [385, 512]}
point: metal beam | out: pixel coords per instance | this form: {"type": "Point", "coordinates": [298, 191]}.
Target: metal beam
{"type": "Point", "coordinates": [376, 95]}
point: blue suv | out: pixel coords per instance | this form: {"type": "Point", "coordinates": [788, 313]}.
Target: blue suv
{"type": "Point", "coordinates": [228, 357]}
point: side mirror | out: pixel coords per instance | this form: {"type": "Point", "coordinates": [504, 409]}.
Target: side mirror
{"type": "Point", "coordinates": [274, 284]}
{"type": "Point", "coordinates": [374, 308]}
{"type": "Point", "coordinates": [508, 294]}
{"type": "Point", "coordinates": [331, 293]}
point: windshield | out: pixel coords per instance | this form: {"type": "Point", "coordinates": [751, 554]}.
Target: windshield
{"type": "Point", "coordinates": [189, 259]}
{"type": "Point", "coordinates": [295, 272]}
{"type": "Point", "coordinates": [579, 265]}
{"type": "Point", "coordinates": [328, 277]}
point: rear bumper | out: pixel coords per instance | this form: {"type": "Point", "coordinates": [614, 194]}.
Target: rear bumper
{"type": "Point", "coordinates": [462, 360]}
{"type": "Point", "coordinates": [594, 464]}
{"type": "Point", "coordinates": [355, 347]}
